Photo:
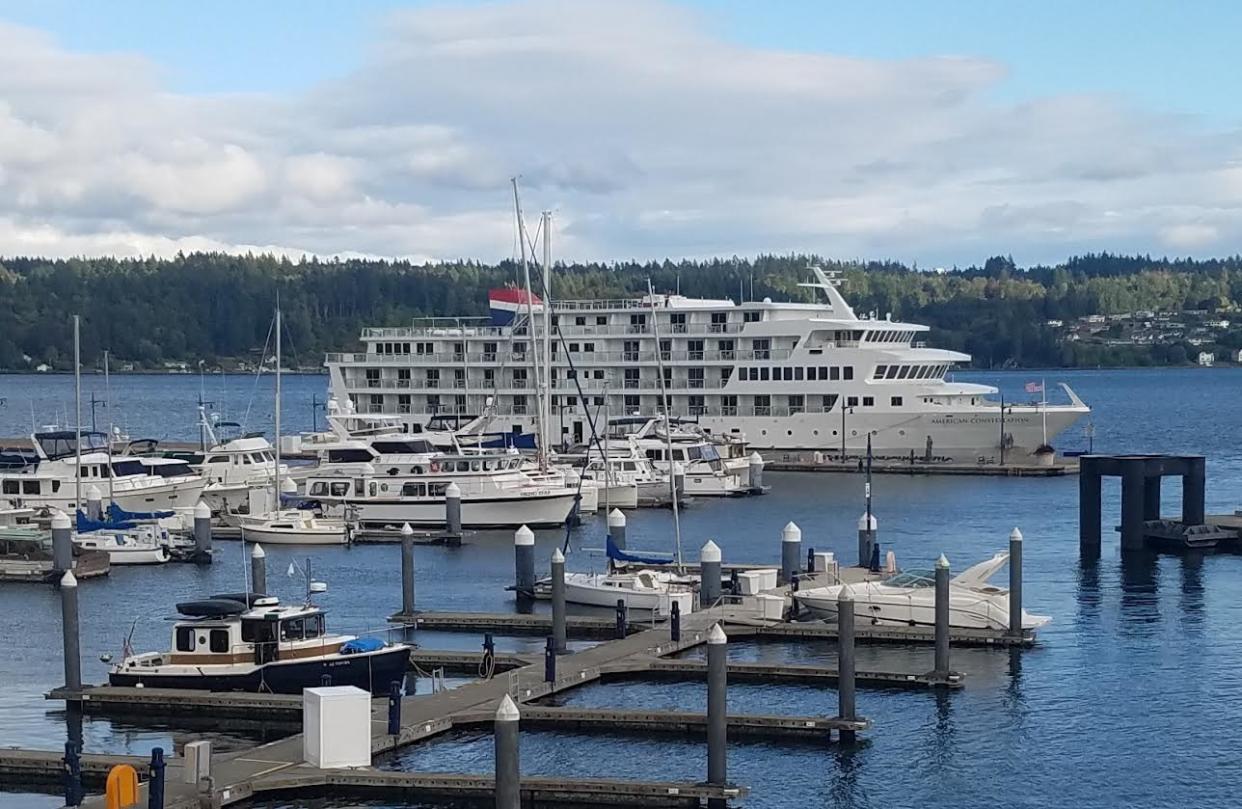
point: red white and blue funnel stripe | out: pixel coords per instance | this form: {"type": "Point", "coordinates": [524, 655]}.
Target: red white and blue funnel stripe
{"type": "Point", "coordinates": [509, 302]}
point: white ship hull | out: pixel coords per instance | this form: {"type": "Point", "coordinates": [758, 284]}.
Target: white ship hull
{"type": "Point", "coordinates": [544, 510]}
{"type": "Point", "coordinates": [156, 497]}
{"type": "Point", "coordinates": [591, 589]}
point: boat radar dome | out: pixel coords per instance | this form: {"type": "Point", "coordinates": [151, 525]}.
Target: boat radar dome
{"type": "Point", "coordinates": [266, 601]}
{"type": "Point", "coordinates": [318, 587]}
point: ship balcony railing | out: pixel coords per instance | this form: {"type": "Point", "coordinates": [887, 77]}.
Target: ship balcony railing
{"type": "Point", "coordinates": [520, 357]}
{"type": "Point", "coordinates": [372, 382]}
{"type": "Point", "coordinates": [520, 384]}
{"type": "Point", "coordinates": [432, 383]}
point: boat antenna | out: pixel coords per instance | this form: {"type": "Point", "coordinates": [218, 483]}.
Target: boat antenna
{"type": "Point", "coordinates": [77, 395]}
{"type": "Point", "coordinates": [668, 428]}
{"type": "Point", "coordinates": [111, 428]}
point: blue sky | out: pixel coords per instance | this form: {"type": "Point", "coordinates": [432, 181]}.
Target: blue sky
{"type": "Point", "coordinates": [1174, 57]}
{"type": "Point", "coordinates": [935, 132]}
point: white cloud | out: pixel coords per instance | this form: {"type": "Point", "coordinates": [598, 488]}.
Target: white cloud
{"type": "Point", "coordinates": [648, 134]}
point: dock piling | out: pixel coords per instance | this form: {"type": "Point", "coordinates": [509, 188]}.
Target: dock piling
{"type": "Point", "coordinates": [756, 472]}
{"type": "Point", "coordinates": [202, 533]}
{"type": "Point", "coordinates": [1193, 489]}
{"type": "Point", "coordinates": [407, 569]}
{"type": "Point", "coordinates": [674, 622]}
{"type": "Point", "coordinates": [73, 775]}
{"type": "Point", "coordinates": [452, 509]}
{"type": "Point", "coordinates": [941, 668]}
{"type": "Point", "coordinates": [549, 661]}
{"type": "Point", "coordinates": [866, 539]}
{"type": "Point", "coordinates": [508, 772]}
{"type": "Point", "coordinates": [1089, 507]}
{"type": "Point", "coordinates": [155, 788]}
{"type": "Point", "coordinates": [1133, 487]}
{"type": "Point", "coordinates": [616, 527]}
{"type": "Point", "coordinates": [62, 545]}
{"type": "Point", "coordinates": [524, 563]}
{"type": "Point", "coordinates": [94, 503]}
{"type": "Point", "coordinates": [709, 574]}
{"type": "Point", "coordinates": [846, 705]}
{"type": "Point", "coordinates": [622, 620]}
{"type": "Point", "coordinates": [791, 551]}
{"type": "Point", "coordinates": [717, 711]}
{"type": "Point", "coordinates": [394, 708]}
{"type": "Point", "coordinates": [69, 631]}
{"type": "Point", "coordinates": [558, 601]}
{"type": "Point", "coordinates": [258, 570]}
{"type": "Point", "coordinates": [1015, 582]}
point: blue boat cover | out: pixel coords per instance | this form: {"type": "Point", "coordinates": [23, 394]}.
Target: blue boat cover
{"type": "Point", "coordinates": [359, 645]}
{"type": "Point", "coordinates": [117, 514]}
{"type": "Point", "coordinates": [86, 524]}
{"type": "Point", "coordinates": [618, 555]}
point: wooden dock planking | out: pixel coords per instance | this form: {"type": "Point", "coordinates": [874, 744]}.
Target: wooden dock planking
{"type": "Point", "coordinates": [788, 673]}
{"type": "Point", "coordinates": [504, 623]}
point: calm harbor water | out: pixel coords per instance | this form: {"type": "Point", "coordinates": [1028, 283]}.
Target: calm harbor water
{"type": "Point", "coordinates": [1126, 702]}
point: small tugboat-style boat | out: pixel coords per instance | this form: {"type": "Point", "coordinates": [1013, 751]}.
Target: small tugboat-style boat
{"type": "Point", "coordinates": [249, 642]}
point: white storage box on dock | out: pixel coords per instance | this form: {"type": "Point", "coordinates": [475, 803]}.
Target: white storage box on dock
{"type": "Point", "coordinates": [822, 561]}
{"type": "Point", "coordinates": [754, 582]}
{"type": "Point", "coordinates": [771, 608]}
{"type": "Point", "coordinates": [336, 727]}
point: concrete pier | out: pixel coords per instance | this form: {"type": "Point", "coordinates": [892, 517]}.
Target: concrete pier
{"type": "Point", "coordinates": [941, 668]}
{"type": "Point", "coordinates": [791, 552]}
{"type": "Point", "coordinates": [258, 569]}
{"type": "Point", "coordinates": [709, 579]}
{"type": "Point", "coordinates": [524, 563]}
{"type": "Point", "coordinates": [1140, 495]}
{"type": "Point", "coordinates": [407, 569]}
{"type": "Point", "coordinates": [616, 527]}
{"type": "Point", "coordinates": [558, 602]}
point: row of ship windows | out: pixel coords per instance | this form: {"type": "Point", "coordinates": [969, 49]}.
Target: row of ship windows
{"type": "Point", "coordinates": [793, 401]}
{"type": "Point", "coordinates": [812, 373]}
{"type": "Point", "coordinates": [910, 371]}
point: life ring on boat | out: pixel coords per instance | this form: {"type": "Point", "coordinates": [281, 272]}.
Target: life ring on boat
{"type": "Point", "coordinates": [435, 466]}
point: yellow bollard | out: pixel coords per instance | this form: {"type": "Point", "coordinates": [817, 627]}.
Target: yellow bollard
{"type": "Point", "coordinates": [122, 787]}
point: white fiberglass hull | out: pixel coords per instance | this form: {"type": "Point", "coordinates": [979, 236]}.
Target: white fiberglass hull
{"type": "Point", "coordinates": [547, 510]}
{"type": "Point", "coordinates": [131, 554]}
{"type": "Point", "coordinates": [142, 498]}
{"type": "Point", "coordinates": [968, 609]}
{"type": "Point", "coordinates": [591, 589]}
{"type": "Point", "coordinates": [619, 496]}
{"type": "Point", "coordinates": [293, 536]}
{"type": "Point", "coordinates": [714, 485]}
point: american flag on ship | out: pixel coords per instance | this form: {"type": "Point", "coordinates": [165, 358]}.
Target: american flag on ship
{"type": "Point", "coordinates": [1034, 387]}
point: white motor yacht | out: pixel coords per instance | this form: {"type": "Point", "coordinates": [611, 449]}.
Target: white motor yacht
{"type": "Point", "coordinates": [294, 526]}
{"type": "Point", "coordinates": [645, 590]}
{"type": "Point", "coordinates": [672, 445]}
{"type": "Point", "coordinates": [908, 598]}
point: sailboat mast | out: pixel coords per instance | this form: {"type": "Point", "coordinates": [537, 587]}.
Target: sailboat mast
{"type": "Point", "coordinates": [547, 324]}
{"type": "Point", "coordinates": [530, 328]}
{"type": "Point", "coordinates": [111, 426]}
{"type": "Point", "coordinates": [77, 396]}
{"type": "Point", "coordinates": [1043, 410]}
{"type": "Point", "coordinates": [276, 476]}
{"type": "Point", "coordinates": [668, 424]}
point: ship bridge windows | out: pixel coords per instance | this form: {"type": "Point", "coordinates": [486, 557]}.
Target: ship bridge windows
{"type": "Point", "coordinates": [834, 373]}
{"type": "Point", "coordinates": [829, 401]}
{"type": "Point", "coordinates": [797, 403]}
{"type": "Point", "coordinates": [868, 401]}
{"type": "Point", "coordinates": [720, 321]}
{"type": "Point", "coordinates": [751, 317]}
{"type": "Point", "coordinates": [879, 371]}
{"type": "Point", "coordinates": [895, 401]}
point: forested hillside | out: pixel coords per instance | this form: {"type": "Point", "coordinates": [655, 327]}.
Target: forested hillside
{"type": "Point", "coordinates": [218, 308]}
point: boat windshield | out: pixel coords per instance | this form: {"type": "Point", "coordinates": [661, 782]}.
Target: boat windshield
{"type": "Point", "coordinates": [912, 578]}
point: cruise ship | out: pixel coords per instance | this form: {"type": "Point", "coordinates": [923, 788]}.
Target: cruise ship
{"type": "Point", "coordinates": [800, 377]}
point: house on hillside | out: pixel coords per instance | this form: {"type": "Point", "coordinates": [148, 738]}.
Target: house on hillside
{"type": "Point", "coordinates": [1206, 358]}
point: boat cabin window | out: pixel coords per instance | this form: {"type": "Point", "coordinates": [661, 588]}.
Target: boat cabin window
{"type": "Point", "coordinates": [912, 578]}
{"type": "Point", "coordinates": [185, 639]}
{"type": "Point", "coordinates": [414, 490]}
{"type": "Point", "coordinates": [257, 631]}
{"type": "Point", "coordinates": [301, 628]}
{"type": "Point", "coordinates": [9, 487]}
{"type": "Point", "coordinates": [30, 487]}
{"type": "Point", "coordinates": [291, 629]}
{"type": "Point", "coordinates": [219, 640]}
{"type": "Point", "coordinates": [124, 468]}
{"type": "Point", "coordinates": [349, 456]}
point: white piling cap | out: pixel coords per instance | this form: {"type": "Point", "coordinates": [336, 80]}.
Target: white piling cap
{"type": "Point", "coordinates": [406, 530]}
{"type": "Point", "coordinates": [258, 552]}
{"type": "Point", "coordinates": [791, 532]}
{"type": "Point", "coordinates": [710, 552]}
{"type": "Point", "coordinates": [523, 536]}
{"type": "Point", "coordinates": [755, 458]}
{"type": "Point", "coordinates": [93, 493]}
{"type": "Point", "coordinates": [616, 517]}
{"type": "Point", "coordinates": [287, 486]}
{"type": "Point", "coordinates": [202, 511]}
{"type": "Point", "coordinates": [452, 491]}
{"type": "Point", "coordinates": [862, 522]}
{"type": "Point", "coordinates": [60, 521]}
{"type": "Point", "coordinates": [1015, 535]}
{"type": "Point", "coordinates": [558, 558]}
{"type": "Point", "coordinates": [68, 580]}
{"type": "Point", "coordinates": [508, 710]}
{"type": "Point", "coordinates": [942, 562]}
{"type": "Point", "coordinates": [845, 594]}
{"type": "Point", "coordinates": [717, 635]}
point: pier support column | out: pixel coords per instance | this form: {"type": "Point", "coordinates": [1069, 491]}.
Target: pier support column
{"type": "Point", "coordinates": [941, 669]}
{"type": "Point", "coordinates": [791, 551]}
{"type": "Point", "coordinates": [407, 570]}
{"type": "Point", "coordinates": [94, 503]}
{"type": "Point", "coordinates": [1151, 497]}
{"type": "Point", "coordinates": [70, 631]}
{"type": "Point", "coordinates": [717, 711]}
{"type": "Point", "coordinates": [1089, 507]}
{"type": "Point", "coordinates": [1132, 489]}
{"type": "Point", "coordinates": [709, 575]}
{"type": "Point", "coordinates": [452, 509]}
{"type": "Point", "coordinates": [616, 528]}
{"type": "Point", "coordinates": [508, 772]}
{"type": "Point", "coordinates": [1015, 583]}
{"type": "Point", "coordinates": [846, 706]}
{"type": "Point", "coordinates": [1193, 487]}
{"type": "Point", "coordinates": [756, 472]}
{"type": "Point", "coordinates": [202, 533]}
{"type": "Point", "coordinates": [558, 601]}
{"type": "Point", "coordinates": [62, 545]}
{"type": "Point", "coordinates": [524, 563]}
{"type": "Point", "coordinates": [866, 540]}
{"type": "Point", "coordinates": [258, 570]}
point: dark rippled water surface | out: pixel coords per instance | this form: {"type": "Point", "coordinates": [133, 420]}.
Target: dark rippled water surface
{"type": "Point", "coordinates": [1129, 700]}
